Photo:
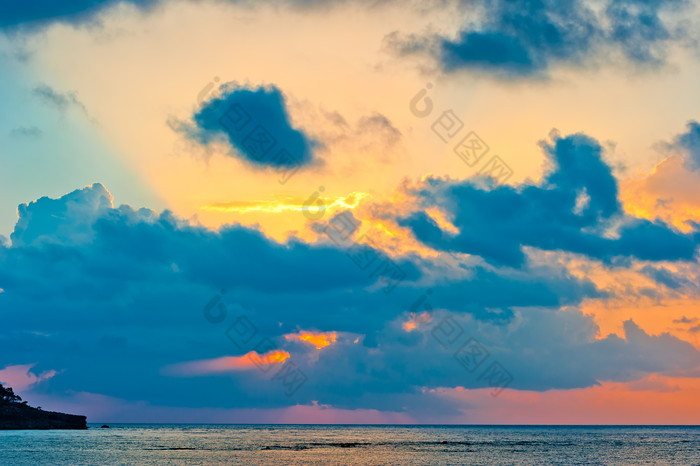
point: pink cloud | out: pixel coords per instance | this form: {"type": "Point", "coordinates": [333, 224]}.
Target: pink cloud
{"type": "Point", "coordinates": [20, 377]}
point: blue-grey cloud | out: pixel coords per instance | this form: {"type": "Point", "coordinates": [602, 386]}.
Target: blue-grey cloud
{"type": "Point", "coordinates": [508, 38]}
{"type": "Point", "coordinates": [110, 296]}
{"type": "Point", "coordinates": [637, 26]}
{"type": "Point", "coordinates": [117, 294]}
{"type": "Point", "coordinates": [688, 145]}
{"type": "Point", "coordinates": [255, 123]}
{"type": "Point", "coordinates": [37, 13]}
{"type": "Point", "coordinates": [515, 38]}
{"type": "Point", "coordinates": [523, 37]}
{"type": "Point", "coordinates": [573, 209]}
{"type": "Point", "coordinates": [667, 278]}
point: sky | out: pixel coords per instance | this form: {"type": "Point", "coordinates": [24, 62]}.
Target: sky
{"type": "Point", "coordinates": [369, 211]}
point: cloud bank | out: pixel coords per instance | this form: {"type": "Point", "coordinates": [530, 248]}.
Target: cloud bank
{"type": "Point", "coordinates": [575, 208]}
{"type": "Point", "coordinates": [118, 295]}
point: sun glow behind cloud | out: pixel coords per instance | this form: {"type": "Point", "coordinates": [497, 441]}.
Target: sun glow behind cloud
{"type": "Point", "coordinates": [290, 204]}
{"type": "Point", "coordinates": [670, 193]}
{"type": "Point", "coordinates": [318, 339]}
{"type": "Point", "coordinates": [416, 320]}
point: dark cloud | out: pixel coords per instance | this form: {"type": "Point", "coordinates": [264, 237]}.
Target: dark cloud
{"type": "Point", "coordinates": [117, 294]}
{"type": "Point", "coordinates": [39, 13]}
{"type": "Point", "coordinates": [575, 208]}
{"type": "Point", "coordinates": [99, 272]}
{"type": "Point", "coordinates": [544, 350]}
{"type": "Point", "coordinates": [508, 38]}
{"type": "Point", "coordinates": [515, 38]}
{"type": "Point", "coordinates": [665, 277]}
{"type": "Point", "coordinates": [688, 145]}
{"type": "Point", "coordinates": [36, 13]}
{"type": "Point", "coordinates": [111, 296]}
{"type": "Point", "coordinates": [255, 123]}
{"type": "Point", "coordinates": [637, 26]}
{"type": "Point", "coordinates": [523, 37]}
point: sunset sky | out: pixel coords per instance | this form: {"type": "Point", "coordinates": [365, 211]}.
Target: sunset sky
{"type": "Point", "coordinates": [370, 211]}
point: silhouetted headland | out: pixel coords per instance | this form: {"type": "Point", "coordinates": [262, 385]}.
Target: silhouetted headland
{"type": "Point", "coordinates": [16, 414]}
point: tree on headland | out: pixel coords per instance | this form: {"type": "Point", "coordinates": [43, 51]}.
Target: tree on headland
{"type": "Point", "coordinates": [7, 395]}
{"type": "Point", "coordinates": [17, 414]}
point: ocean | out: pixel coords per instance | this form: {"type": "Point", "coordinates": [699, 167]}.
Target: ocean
{"type": "Point", "coordinates": [315, 444]}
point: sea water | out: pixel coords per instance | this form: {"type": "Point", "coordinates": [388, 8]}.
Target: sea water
{"type": "Point", "coordinates": [303, 444]}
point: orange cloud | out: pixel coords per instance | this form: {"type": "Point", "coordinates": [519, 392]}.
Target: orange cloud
{"type": "Point", "coordinates": [226, 364]}
{"type": "Point", "coordinates": [633, 295]}
{"type": "Point", "coordinates": [319, 339]}
{"type": "Point", "coordinates": [415, 320]}
{"type": "Point", "coordinates": [441, 219]}
{"type": "Point", "coordinates": [674, 316]}
{"type": "Point", "coordinates": [669, 193]}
